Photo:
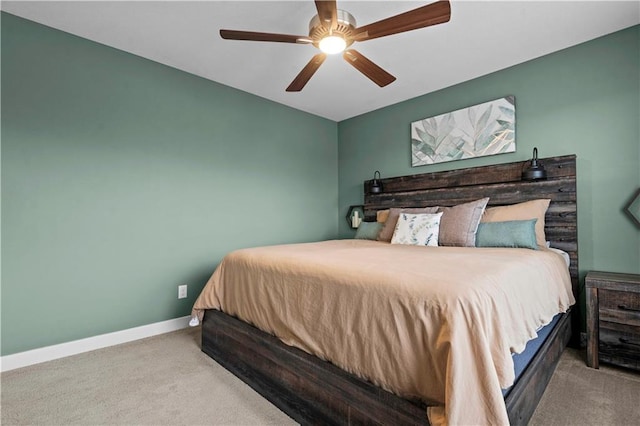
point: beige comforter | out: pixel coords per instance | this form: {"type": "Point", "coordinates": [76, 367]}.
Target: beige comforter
{"type": "Point", "coordinates": [438, 323]}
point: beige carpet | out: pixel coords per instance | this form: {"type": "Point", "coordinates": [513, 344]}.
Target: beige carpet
{"type": "Point", "coordinates": [579, 395]}
{"type": "Point", "coordinates": [167, 380]}
{"type": "Point", "coordinates": [162, 380]}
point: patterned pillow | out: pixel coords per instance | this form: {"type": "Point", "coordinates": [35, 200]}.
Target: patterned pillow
{"type": "Point", "coordinates": [390, 224]}
{"type": "Point", "coordinates": [417, 229]}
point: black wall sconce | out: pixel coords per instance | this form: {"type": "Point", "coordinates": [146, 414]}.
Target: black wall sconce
{"type": "Point", "coordinates": [535, 171]}
{"type": "Point", "coordinates": [376, 185]}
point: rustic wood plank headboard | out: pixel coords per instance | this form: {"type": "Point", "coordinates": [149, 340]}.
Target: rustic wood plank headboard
{"type": "Point", "coordinates": [503, 184]}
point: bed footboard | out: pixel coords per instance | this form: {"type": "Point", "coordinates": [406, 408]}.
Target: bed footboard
{"type": "Point", "coordinates": [308, 389]}
{"type": "Point", "coordinates": [313, 391]}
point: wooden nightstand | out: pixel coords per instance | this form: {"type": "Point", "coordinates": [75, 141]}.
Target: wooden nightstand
{"type": "Point", "coordinates": [613, 319]}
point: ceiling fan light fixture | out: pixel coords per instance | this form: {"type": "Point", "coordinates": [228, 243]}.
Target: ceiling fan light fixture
{"type": "Point", "coordinates": [332, 44]}
{"type": "Point", "coordinates": [333, 30]}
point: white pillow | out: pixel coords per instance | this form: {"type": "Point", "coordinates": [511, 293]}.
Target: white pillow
{"type": "Point", "coordinates": [417, 229]}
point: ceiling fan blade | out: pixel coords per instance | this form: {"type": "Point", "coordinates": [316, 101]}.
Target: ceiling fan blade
{"type": "Point", "coordinates": [328, 13]}
{"type": "Point", "coordinates": [425, 16]}
{"type": "Point", "coordinates": [254, 36]}
{"type": "Point", "coordinates": [307, 72]}
{"type": "Point", "coordinates": [368, 68]}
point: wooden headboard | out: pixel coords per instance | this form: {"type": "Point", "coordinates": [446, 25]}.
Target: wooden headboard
{"type": "Point", "coordinates": [503, 184]}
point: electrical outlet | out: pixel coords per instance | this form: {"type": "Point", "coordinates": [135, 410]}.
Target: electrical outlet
{"type": "Point", "coordinates": [182, 291]}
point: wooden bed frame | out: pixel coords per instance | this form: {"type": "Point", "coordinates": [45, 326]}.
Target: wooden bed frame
{"type": "Point", "coordinates": [313, 391]}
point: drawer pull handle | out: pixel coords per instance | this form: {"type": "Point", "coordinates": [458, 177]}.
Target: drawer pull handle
{"type": "Point", "coordinates": [626, 308]}
{"type": "Point", "coordinates": [627, 341]}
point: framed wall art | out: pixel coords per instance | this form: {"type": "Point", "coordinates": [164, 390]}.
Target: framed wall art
{"type": "Point", "coordinates": [477, 131]}
{"type": "Point", "coordinates": [633, 208]}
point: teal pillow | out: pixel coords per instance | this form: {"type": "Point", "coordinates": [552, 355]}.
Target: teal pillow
{"type": "Point", "coordinates": [368, 230]}
{"type": "Point", "coordinates": [512, 233]}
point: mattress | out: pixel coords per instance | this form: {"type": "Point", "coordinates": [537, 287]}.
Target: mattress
{"type": "Point", "coordinates": [521, 361]}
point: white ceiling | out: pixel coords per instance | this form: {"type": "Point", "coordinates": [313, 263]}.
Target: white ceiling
{"type": "Point", "coordinates": [481, 37]}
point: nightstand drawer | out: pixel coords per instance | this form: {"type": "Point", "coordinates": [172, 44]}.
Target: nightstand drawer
{"type": "Point", "coordinates": [620, 300]}
{"type": "Point", "coordinates": [620, 333]}
{"type": "Point", "coordinates": [619, 307]}
{"type": "Point", "coordinates": [620, 344]}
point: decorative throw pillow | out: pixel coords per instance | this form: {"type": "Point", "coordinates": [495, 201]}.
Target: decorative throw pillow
{"type": "Point", "coordinates": [459, 223]}
{"type": "Point", "coordinates": [534, 209]}
{"type": "Point", "coordinates": [512, 233]}
{"type": "Point", "coordinates": [390, 224]}
{"type": "Point", "coordinates": [368, 230]}
{"type": "Point", "coordinates": [382, 215]}
{"type": "Point", "coordinates": [417, 229]}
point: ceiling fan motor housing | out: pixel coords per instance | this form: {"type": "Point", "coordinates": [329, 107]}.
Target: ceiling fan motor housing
{"type": "Point", "coordinates": [345, 28]}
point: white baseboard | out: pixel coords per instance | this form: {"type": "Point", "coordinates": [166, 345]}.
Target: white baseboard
{"type": "Point", "coordinates": [49, 353]}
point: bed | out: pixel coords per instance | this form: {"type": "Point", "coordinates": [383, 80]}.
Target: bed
{"type": "Point", "coordinates": [312, 390]}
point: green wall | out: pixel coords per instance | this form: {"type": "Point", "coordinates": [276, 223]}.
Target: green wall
{"type": "Point", "coordinates": [583, 100]}
{"type": "Point", "coordinates": [123, 178]}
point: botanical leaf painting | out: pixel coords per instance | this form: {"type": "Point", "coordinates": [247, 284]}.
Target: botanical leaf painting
{"type": "Point", "coordinates": [476, 131]}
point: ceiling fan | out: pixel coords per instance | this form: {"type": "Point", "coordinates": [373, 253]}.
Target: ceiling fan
{"type": "Point", "coordinates": [333, 30]}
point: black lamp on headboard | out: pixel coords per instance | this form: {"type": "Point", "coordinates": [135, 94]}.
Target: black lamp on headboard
{"type": "Point", "coordinates": [376, 185]}
{"type": "Point", "coordinates": [535, 171]}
